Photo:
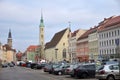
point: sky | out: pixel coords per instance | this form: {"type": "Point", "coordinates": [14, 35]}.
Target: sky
{"type": "Point", "coordinates": [23, 18]}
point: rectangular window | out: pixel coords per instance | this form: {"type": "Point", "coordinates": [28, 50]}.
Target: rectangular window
{"type": "Point", "coordinates": [112, 42]}
{"type": "Point", "coordinates": [112, 51]}
{"type": "Point", "coordinates": [118, 32]}
{"type": "Point", "coordinates": [115, 32]}
{"type": "Point", "coordinates": [107, 42]}
{"type": "Point", "coordinates": [109, 34]}
{"type": "Point", "coordinates": [99, 36]}
{"type": "Point", "coordinates": [112, 34]}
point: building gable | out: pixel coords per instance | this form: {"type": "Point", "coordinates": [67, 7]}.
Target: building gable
{"type": "Point", "coordinates": [55, 40]}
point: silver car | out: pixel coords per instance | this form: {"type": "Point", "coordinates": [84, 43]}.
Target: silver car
{"type": "Point", "coordinates": [108, 72]}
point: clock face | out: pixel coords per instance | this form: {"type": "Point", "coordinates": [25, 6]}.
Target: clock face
{"type": "Point", "coordinates": [41, 36]}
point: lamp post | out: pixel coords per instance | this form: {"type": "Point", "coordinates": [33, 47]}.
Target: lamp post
{"type": "Point", "coordinates": [118, 51]}
{"type": "Point", "coordinates": [56, 49]}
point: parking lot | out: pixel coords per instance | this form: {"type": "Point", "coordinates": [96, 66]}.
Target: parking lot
{"type": "Point", "coordinates": [23, 73]}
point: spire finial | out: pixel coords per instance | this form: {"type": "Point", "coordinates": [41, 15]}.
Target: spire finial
{"type": "Point", "coordinates": [41, 14]}
{"type": "Point", "coordinates": [9, 34]}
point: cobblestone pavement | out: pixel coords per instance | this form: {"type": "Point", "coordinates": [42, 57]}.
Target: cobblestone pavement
{"type": "Point", "coordinates": [22, 73]}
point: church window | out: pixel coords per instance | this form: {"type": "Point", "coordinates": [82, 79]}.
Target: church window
{"type": "Point", "coordinates": [64, 53]}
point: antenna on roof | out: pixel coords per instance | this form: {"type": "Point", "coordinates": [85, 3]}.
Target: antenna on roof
{"type": "Point", "coordinates": [69, 24]}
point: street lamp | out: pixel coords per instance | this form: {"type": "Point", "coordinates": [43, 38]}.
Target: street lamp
{"type": "Point", "coordinates": [56, 49]}
{"type": "Point", "coordinates": [118, 51]}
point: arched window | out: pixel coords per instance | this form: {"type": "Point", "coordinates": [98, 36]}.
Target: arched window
{"type": "Point", "coordinates": [64, 53]}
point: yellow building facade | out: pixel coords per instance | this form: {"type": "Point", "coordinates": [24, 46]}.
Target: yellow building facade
{"type": "Point", "coordinates": [57, 49]}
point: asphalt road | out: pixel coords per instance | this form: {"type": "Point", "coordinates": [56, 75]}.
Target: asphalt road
{"type": "Point", "coordinates": [21, 73]}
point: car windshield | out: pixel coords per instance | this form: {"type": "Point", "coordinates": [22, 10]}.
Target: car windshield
{"type": "Point", "coordinates": [56, 65]}
{"type": "Point", "coordinates": [99, 67]}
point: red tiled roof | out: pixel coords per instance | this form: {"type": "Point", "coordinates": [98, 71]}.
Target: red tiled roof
{"type": "Point", "coordinates": [109, 22]}
{"type": "Point", "coordinates": [7, 47]}
{"type": "Point", "coordinates": [74, 33]}
{"type": "Point", "coordinates": [57, 37]}
{"type": "Point", "coordinates": [85, 35]}
{"type": "Point", "coordinates": [32, 48]}
{"type": "Point", "coordinates": [19, 54]}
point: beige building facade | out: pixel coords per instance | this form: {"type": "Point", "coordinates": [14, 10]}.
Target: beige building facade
{"type": "Point", "coordinates": [93, 44]}
{"type": "Point", "coordinates": [57, 49]}
{"type": "Point", "coordinates": [7, 53]}
{"type": "Point", "coordinates": [11, 56]}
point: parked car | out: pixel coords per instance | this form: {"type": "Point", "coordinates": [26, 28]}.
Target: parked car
{"type": "Point", "coordinates": [72, 72]}
{"type": "Point", "coordinates": [108, 72]}
{"type": "Point", "coordinates": [10, 64]}
{"type": "Point", "coordinates": [47, 67]}
{"type": "Point", "coordinates": [52, 67]}
{"type": "Point", "coordinates": [33, 65]}
{"type": "Point", "coordinates": [85, 70]}
{"type": "Point", "coordinates": [28, 64]}
{"type": "Point", "coordinates": [23, 64]}
{"type": "Point", "coordinates": [110, 62]}
{"type": "Point", "coordinates": [69, 70]}
{"type": "Point", "coordinates": [5, 65]}
{"type": "Point", "coordinates": [40, 65]}
{"type": "Point", "coordinates": [20, 63]}
{"type": "Point", "coordinates": [59, 70]}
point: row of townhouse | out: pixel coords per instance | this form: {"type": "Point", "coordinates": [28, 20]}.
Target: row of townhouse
{"type": "Point", "coordinates": [109, 38]}
{"type": "Point", "coordinates": [99, 42]}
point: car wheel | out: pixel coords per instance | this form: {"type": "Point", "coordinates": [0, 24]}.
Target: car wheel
{"type": "Point", "coordinates": [50, 72]}
{"type": "Point", "coordinates": [72, 75]}
{"type": "Point", "coordinates": [84, 75]}
{"type": "Point", "coordinates": [110, 78]}
{"type": "Point", "coordinates": [59, 73]}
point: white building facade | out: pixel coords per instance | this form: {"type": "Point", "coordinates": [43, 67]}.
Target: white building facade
{"type": "Point", "coordinates": [109, 38]}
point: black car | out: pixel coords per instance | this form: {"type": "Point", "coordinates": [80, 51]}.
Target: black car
{"type": "Point", "coordinates": [40, 66]}
{"type": "Point", "coordinates": [85, 71]}
{"type": "Point", "coordinates": [33, 65]}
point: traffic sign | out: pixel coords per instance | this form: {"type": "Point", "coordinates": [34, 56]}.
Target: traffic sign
{"type": "Point", "coordinates": [117, 42]}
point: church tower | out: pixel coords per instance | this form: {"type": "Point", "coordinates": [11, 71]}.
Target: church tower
{"type": "Point", "coordinates": [9, 41]}
{"type": "Point", "coordinates": [41, 36]}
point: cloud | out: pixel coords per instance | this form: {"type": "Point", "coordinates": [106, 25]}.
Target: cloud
{"type": "Point", "coordinates": [17, 13]}
{"type": "Point", "coordinates": [23, 17]}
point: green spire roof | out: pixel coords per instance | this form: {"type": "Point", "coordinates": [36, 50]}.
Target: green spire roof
{"type": "Point", "coordinates": [41, 21]}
